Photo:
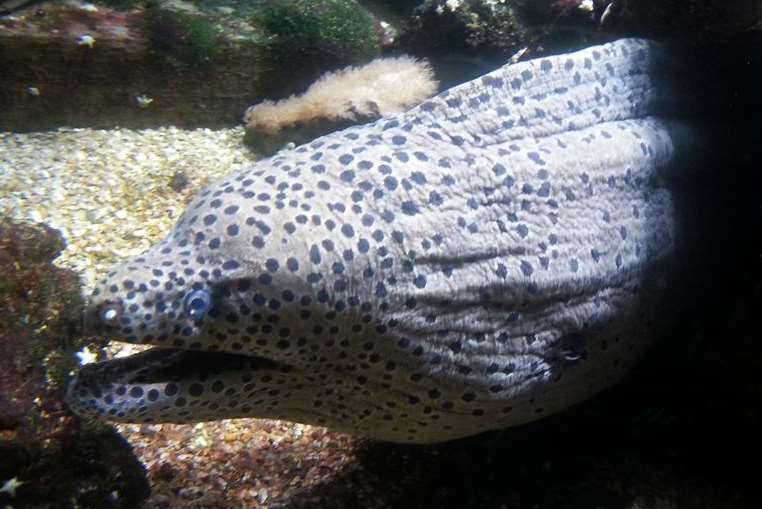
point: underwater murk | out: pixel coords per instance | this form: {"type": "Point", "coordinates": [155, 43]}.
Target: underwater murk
{"type": "Point", "coordinates": [380, 254]}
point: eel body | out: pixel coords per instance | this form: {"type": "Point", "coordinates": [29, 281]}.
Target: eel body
{"type": "Point", "coordinates": [485, 259]}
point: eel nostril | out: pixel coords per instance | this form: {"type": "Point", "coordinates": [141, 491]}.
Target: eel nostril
{"type": "Point", "coordinates": [109, 314]}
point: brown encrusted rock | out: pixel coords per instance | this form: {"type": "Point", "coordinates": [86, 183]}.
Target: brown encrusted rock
{"type": "Point", "coordinates": [39, 312]}
{"type": "Point", "coordinates": [50, 456]}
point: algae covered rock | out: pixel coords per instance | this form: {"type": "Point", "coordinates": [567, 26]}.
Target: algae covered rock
{"type": "Point", "coordinates": [144, 63]}
{"type": "Point", "coordinates": [49, 457]}
{"type": "Point", "coordinates": [181, 38]}
{"type": "Point", "coordinates": [467, 26]}
{"type": "Point", "coordinates": [315, 32]}
{"type": "Point", "coordinates": [306, 38]}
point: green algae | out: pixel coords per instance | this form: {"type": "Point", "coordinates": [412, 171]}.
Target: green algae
{"type": "Point", "coordinates": [318, 32]}
{"type": "Point", "coordinates": [182, 39]}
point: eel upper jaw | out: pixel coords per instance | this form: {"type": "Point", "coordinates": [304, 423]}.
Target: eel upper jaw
{"type": "Point", "coordinates": [158, 363]}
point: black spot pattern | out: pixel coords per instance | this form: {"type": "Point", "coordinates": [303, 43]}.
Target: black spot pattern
{"type": "Point", "coordinates": [454, 269]}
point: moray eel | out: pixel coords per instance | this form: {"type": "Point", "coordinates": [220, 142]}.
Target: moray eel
{"type": "Point", "coordinates": [487, 258]}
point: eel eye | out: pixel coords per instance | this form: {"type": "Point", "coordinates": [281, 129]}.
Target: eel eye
{"type": "Point", "coordinates": [197, 304]}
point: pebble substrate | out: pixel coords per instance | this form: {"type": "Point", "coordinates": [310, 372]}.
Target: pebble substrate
{"type": "Point", "coordinates": [109, 192]}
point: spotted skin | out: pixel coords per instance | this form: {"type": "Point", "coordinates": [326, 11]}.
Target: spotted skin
{"type": "Point", "coordinates": [482, 260]}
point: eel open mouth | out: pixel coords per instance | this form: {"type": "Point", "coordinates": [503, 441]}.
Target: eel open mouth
{"type": "Point", "coordinates": [164, 384]}
{"type": "Point", "coordinates": [158, 365]}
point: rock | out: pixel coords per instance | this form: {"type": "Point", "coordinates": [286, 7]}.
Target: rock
{"type": "Point", "coordinates": [138, 65]}
{"type": "Point", "coordinates": [179, 181]}
{"type": "Point", "coordinates": [59, 460]}
{"type": "Point", "coordinates": [465, 39]}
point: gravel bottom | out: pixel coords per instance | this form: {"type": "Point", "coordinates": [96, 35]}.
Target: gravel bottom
{"type": "Point", "coordinates": [109, 193]}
